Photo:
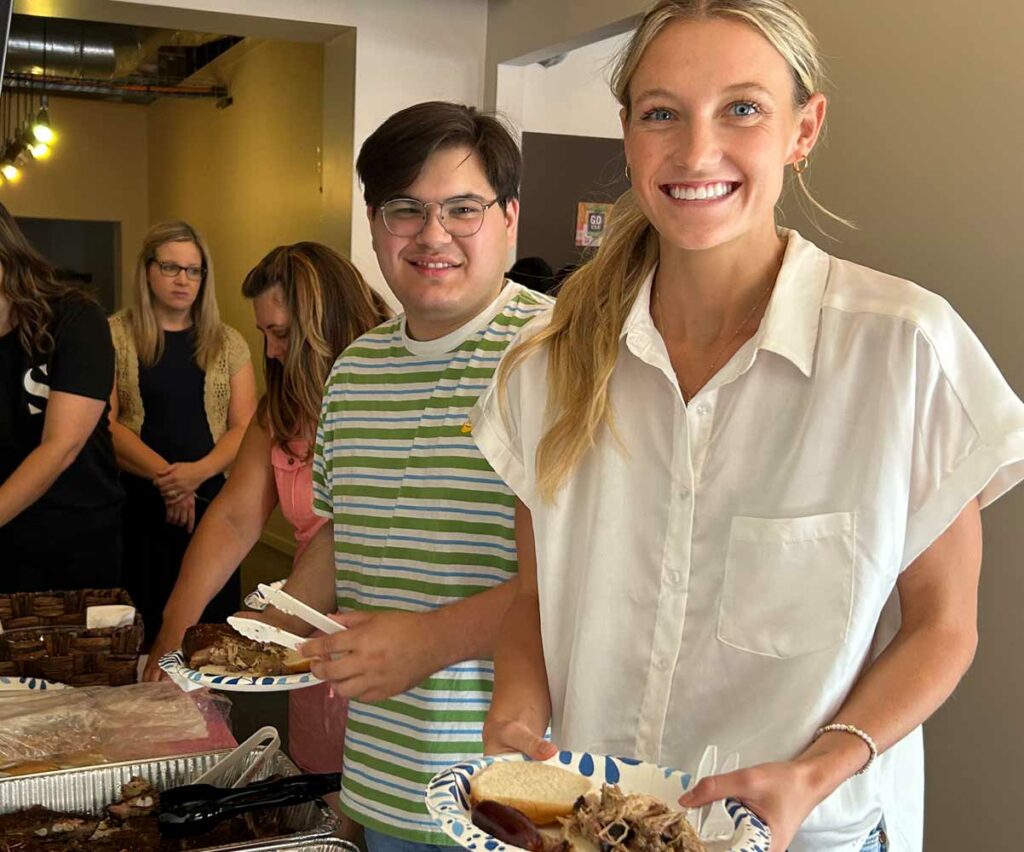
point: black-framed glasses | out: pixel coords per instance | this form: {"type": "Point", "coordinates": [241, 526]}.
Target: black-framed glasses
{"type": "Point", "coordinates": [169, 269]}
{"type": "Point", "coordinates": [460, 216]}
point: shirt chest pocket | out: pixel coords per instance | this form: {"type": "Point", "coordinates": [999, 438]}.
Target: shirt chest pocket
{"type": "Point", "coordinates": [788, 587]}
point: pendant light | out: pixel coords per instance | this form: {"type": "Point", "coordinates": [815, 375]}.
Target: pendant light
{"type": "Point", "coordinates": [41, 130]}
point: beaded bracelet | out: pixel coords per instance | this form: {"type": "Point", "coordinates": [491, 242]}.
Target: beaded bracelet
{"type": "Point", "coordinates": [857, 732]}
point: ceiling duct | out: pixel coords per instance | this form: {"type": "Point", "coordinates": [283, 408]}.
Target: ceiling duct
{"type": "Point", "coordinates": [86, 49]}
{"type": "Point", "coordinates": [93, 53]}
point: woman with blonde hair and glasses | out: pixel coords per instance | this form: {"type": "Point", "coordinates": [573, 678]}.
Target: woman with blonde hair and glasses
{"type": "Point", "coordinates": [310, 303]}
{"type": "Point", "coordinates": [750, 473]}
{"type": "Point", "coordinates": [184, 394]}
{"type": "Point", "coordinates": [60, 499]}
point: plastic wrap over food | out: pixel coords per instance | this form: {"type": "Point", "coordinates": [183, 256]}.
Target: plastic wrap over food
{"type": "Point", "coordinates": [46, 730]}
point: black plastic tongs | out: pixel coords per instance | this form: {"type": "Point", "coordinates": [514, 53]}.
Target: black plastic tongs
{"type": "Point", "coordinates": [194, 808]}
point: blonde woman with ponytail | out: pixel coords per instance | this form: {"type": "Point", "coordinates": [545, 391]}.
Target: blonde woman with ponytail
{"type": "Point", "coordinates": [749, 474]}
{"type": "Point", "coordinates": [310, 303]}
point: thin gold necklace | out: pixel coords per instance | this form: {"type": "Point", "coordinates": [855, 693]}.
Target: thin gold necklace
{"type": "Point", "coordinates": [688, 395]}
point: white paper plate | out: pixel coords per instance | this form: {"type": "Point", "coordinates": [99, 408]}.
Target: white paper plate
{"type": "Point", "coordinates": [447, 797]}
{"type": "Point", "coordinates": [186, 678]}
{"type": "Point", "coordinates": [10, 684]}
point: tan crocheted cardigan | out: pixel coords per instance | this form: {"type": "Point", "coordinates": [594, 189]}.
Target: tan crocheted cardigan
{"type": "Point", "coordinates": [216, 388]}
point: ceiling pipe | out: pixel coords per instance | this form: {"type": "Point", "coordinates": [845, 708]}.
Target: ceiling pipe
{"type": "Point", "coordinates": [79, 49]}
{"type": "Point", "coordinates": [112, 88]}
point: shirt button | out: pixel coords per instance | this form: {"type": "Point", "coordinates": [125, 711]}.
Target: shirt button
{"type": "Point", "coordinates": [291, 460]}
{"type": "Point", "coordinates": [684, 492]}
{"type": "Point", "coordinates": [675, 578]}
{"type": "Point", "coordinates": [702, 409]}
{"type": "Point", "coordinates": [661, 664]}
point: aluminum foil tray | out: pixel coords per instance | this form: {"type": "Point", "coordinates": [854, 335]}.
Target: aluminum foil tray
{"type": "Point", "coordinates": [91, 789]}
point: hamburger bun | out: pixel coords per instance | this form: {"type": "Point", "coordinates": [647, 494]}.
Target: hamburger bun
{"type": "Point", "coordinates": [295, 663]}
{"type": "Point", "coordinates": [541, 791]}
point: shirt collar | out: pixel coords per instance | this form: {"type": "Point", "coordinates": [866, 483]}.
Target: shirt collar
{"type": "Point", "coordinates": [451, 341]}
{"type": "Point", "coordinates": [790, 324]}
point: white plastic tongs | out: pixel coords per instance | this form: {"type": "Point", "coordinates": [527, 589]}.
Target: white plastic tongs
{"type": "Point", "coordinates": [261, 632]}
{"type": "Point", "coordinates": [266, 739]}
{"type": "Point", "coordinates": [284, 602]}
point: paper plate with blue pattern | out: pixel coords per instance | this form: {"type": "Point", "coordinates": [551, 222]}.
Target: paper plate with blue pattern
{"type": "Point", "coordinates": [448, 801]}
{"type": "Point", "coordinates": [11, 684]}
{"type": "Point", "coordinates": [174, 665]}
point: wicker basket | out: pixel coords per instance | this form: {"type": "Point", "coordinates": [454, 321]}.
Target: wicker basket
{"type": "Point", "coordinates": [45, 636]}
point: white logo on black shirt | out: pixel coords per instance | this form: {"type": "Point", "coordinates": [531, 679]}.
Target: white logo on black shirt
{"type": "Point", "coordinates": [37, 388]}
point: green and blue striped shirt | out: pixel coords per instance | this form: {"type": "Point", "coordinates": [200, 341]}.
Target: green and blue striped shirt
{"type": "Point", "coordinates": [420, 521]}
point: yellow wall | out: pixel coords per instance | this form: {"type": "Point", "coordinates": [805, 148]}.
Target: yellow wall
{"type": "Point", "coordinates": [249, 176]}
{"type": "Point", "coordinates": [96, 172]}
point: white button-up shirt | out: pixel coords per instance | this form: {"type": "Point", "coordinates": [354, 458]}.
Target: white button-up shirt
{"type": "Point", "coordinates": [726, 578]}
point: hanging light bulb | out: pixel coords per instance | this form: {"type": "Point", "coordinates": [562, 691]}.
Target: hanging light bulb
{"type": "Point", "coordinates": [18, 151]}
{"type": "Point", "coordinates": [9, 166]}
{"type": "Point", "coordinates": [27, 143]}
{"type": "Point", "coordinates": [41, 130]}
{"type": "Point", "coordinates": [40, 150]}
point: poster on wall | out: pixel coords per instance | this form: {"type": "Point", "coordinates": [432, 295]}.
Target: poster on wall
{"type": "Point", "coordinates": [591, 220]}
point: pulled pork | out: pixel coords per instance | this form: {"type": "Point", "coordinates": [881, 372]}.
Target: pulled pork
{"type": "Point", "coordinates": [616, 822]}
{"type": "Point", "coordinates": [219, 645]}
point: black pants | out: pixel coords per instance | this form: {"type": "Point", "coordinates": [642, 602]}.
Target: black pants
{"type": "Point", "coordinates": [153, 550]}
{"type": "Point", "coordinates": [57, 549]}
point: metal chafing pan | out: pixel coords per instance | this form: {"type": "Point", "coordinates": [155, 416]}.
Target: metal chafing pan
{"type": "Point", "coordinates": [91, 789]}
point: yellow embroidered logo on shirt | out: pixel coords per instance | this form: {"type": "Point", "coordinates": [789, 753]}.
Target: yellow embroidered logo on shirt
{"type": "Point", "coordinates": [467, 427]}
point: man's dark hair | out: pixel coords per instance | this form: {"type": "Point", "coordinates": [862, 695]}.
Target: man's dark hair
{"type": "Point", "coordinates": [393, 155]}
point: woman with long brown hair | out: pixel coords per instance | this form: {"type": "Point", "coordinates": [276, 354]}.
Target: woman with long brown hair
{"type": "Point", "coordinates": [185, 391]}
{"type": "Point", "coordinates": [60, 499]}
{"type": "Point", "coordinates": [310, 303]}
{"type": "Point", "coordinates": [750, 473]}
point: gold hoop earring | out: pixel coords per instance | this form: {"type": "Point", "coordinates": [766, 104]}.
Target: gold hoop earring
{"type": "Point", "coordinates": [801, 166]}
{"type": "Point", "coordinates": [629, 177]}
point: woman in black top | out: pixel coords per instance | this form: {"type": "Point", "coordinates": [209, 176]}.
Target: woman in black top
{"type": "Point", "coordinates": [185, 391]}
{"type": "Point", "coordinates": [60, 498]}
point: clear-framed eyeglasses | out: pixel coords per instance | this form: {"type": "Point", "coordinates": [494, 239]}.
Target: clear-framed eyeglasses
{"type": "Point", "coordinates": [460, 217]}
{"type": "Point", "coordinates": [169, 269]}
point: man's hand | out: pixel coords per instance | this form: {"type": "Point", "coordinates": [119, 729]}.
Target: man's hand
{"type": "Point", "coordinates": [381, 654]}
{"type": "Point", "coordinates": [510, 735]}
{"type": "Point", "coordinates": [781, 794]}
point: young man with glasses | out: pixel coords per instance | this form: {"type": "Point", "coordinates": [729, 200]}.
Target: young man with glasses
{"type": "Point", "coordinates": [424, 555]}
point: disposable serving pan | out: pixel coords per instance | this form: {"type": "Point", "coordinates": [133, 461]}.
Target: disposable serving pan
{"type": "Point", "coordinates": [91, 789]}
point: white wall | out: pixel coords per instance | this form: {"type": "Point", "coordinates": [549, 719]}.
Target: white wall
{"type": "Point", "coordinates": [407, 51]}
{"type": "Point", "coordinates": [571, 98]}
